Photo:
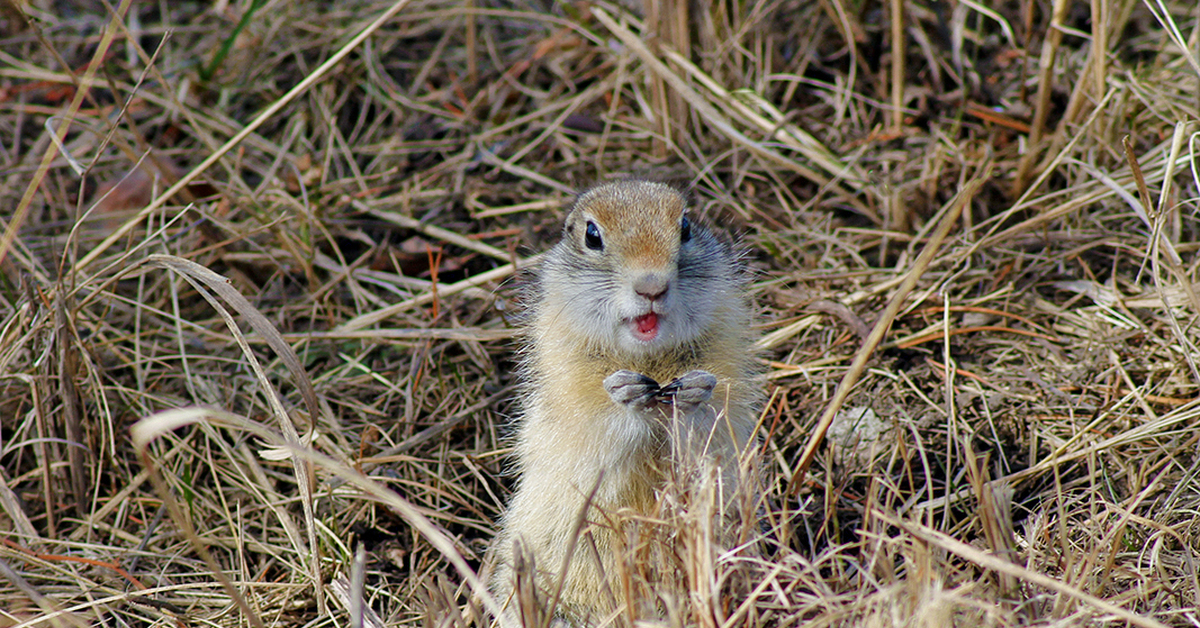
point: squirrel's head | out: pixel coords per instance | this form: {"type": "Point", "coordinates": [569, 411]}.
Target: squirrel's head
{"type": "Point", "coordinates": [634, 272]}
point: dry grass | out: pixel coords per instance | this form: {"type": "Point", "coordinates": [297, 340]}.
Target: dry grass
{"type": "Point", "coordinates": [180, 449]}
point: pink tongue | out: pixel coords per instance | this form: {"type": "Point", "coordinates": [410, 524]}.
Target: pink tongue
{"type": "Point", "coordinates": [647, 326]}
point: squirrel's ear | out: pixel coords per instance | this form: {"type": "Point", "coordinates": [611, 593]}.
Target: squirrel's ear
{"type": "Point", "coordinates": [688, 193]}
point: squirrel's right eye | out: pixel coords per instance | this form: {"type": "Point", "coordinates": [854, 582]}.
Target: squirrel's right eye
{"type": "Point", "coordinates": [591, 237]}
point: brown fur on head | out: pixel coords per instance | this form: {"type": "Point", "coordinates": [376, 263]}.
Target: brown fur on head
{"type": "Point", "coordinates": [640, 217]}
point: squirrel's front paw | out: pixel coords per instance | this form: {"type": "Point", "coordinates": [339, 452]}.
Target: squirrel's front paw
{"type": "Point", "coordinates": [629, 388]}
{"type": "Point", "coordinates": [689, 390]}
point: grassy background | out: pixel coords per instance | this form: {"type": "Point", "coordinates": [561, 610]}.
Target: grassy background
{"type": "Point", "coordinates": [286, 255]}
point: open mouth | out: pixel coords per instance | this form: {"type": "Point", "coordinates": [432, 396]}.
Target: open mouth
{"type": "Point", "coordinates": [645, 327]}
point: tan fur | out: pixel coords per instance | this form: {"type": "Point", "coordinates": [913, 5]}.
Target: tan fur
{"type": "Point", "coordinates": [572, 437]}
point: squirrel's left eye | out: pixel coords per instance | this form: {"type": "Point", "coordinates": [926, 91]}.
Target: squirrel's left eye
{"type": "Point", "coordinates": [685, 230]}
{"type": "Point", "coordinates": [591, 237]}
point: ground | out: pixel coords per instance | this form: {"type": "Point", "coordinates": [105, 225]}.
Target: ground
{"type": "Point", "coordinates": [260, 269]}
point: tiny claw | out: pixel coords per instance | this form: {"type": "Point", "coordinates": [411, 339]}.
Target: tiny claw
{"type": "Point", "coordinates": [630, 388]}
{"type": "Point", "coordinates": [689, 390]}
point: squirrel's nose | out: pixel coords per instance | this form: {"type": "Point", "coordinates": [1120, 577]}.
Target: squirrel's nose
{"type": "Point", "coordinates": [651, 286]}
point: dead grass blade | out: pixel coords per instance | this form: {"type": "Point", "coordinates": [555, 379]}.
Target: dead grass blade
{"type": "Point", "coordinates": [60, 132]}
{"type": "Point", "coordinates": [72, 415]}
{"type": "Point", "coordinates": [883, 324]}
{"type": "Point", "coordinates": [480, 280]}
{"type": "Point", "coordinates": [245, 132]}
{"type": "Point", "coordinates": [707, 111]}
{"type": "Point", "coordinates": [203, 280]}
{"type": "Point", "coordinates": [1000, 565]}
{"type": "Point", "coordinates": [154, 427]}
{"type": "Point", "coordinates": [1046, 75]}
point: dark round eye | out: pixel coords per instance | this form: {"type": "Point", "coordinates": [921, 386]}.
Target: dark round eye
{"type": "Point", "coordinates": [685, 230]}
{"type": "Point", "coordinates": [591, 237]}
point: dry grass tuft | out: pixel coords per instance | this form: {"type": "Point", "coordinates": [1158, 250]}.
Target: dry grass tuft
{"type": "Point", "coordinates": [257, 324]}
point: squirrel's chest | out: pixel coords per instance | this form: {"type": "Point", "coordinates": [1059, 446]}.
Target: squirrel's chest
{"type": "Point", "coordinates": [583, 414]}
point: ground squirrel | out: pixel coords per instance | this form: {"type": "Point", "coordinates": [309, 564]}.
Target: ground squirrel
{"type": "Point", "coordinates": [636, 293]}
